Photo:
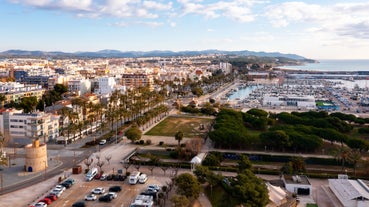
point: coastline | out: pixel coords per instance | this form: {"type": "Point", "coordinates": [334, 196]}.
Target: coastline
{"type": "Point", "coordinates": [327, 65]}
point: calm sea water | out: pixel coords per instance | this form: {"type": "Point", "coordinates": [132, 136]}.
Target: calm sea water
{"type": "Point", "coordinates": [334, 65]}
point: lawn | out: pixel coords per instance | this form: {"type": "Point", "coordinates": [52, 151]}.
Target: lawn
{"type": "Point", "coordinates": [190, 126]}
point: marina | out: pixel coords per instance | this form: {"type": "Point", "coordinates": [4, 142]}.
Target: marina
{"type": "Point", "coordinates": [286, 93]}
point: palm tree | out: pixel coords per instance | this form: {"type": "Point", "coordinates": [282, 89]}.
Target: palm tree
{"type": "Point", "coordinates": [354, 158]}
{"type": "Point", "coordinates": [179, 136]}
{"type": "Point", "coordinates": [2, 100]}
{"type": "Point", "coordinates": [342, 155]}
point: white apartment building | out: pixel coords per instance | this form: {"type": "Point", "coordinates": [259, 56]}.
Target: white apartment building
{"type": "Point", "coordinates": [79, 86]}
{"type": "Point", "coordinates": [225, 67]}
{"type": "Point", "coordinates": [21, 128]}
{"type": "Point", "coordinates": [14, 91]}
{"type": "Point", "coordinates": [105, 86]}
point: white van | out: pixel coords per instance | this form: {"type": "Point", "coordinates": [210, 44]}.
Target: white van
{"type": "Point", "coordinates": [142, 178]}
{"type": "Point", "coordinates": [133, 178]}
{"type": "Point", "coordinates": [91, 174]}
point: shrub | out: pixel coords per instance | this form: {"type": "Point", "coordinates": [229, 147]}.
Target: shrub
{"type": "Point", "coordinates": [173, 154]}
{"type": "Point", "coordinates": [148, 142]}
{"type": "Point", "coordinates": [161, 143]}
{"type": "Point", "coordinates": [142, 142]}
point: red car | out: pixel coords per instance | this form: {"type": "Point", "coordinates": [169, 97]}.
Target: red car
{"type": "Point", "coordinates": [52, 197]}
{"type": "Point", "coordinates": [97, 176]}
{"type": "Point", "coordinates": [48, 201]}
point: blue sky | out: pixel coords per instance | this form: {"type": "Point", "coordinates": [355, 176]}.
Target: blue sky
{"type": "Point", "coordinates": [319, 29]}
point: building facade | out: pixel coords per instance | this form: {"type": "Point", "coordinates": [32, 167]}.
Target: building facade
{"type": "Point", "coordinates": [22, 128]}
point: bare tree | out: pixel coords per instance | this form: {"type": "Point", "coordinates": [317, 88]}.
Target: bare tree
{"type": "Point", "coordinates": [164, 168]}
{"type": "Point", "coordinates": [100, 164]}
{"type": "Point", "coordinates": [151, 168]}
{"type": "Point", "coordinates": [138, 166]}
{"type": "Point", "coordinates": [97, 157]}
{"type": "Point", "coordinates": [108, 158]}
{"type": "Point", "coordinates": [88, 162]}
{"type": "Point", "coordinates": [126, 165]}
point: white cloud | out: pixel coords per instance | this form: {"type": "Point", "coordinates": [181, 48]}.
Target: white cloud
{"type": "Point", "coordinates": [238, 10]}
{"type": "Point", "coordinates": [126, 24]}
{"type": "Point", "coordinates": [172, 24]}
{"type": "Point", "coordinates": [210, 30]}
{"type": "Point", "coordinates": [349, 19]}
{"type": "Point", "coordinates": [157, 6]}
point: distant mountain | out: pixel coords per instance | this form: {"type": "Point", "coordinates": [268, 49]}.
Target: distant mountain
{"type": "Point", "coordinates": [155, 53]}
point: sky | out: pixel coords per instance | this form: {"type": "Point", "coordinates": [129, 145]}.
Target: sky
{"type": "Point", "coordinates": [318, 29]}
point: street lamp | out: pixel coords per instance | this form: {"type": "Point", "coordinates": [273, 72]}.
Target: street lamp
{"type": "Point", "coordinates": [45, 170]}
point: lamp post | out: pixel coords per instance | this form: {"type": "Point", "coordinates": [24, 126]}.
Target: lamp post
{"type": "Point", "coordinates": [45, 170]}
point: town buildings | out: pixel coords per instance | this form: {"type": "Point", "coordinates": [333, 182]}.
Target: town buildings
{"type": "Point", "coordinates": [22, 128]}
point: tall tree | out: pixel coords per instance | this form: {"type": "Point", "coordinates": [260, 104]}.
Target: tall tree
{"type": "Point", "coordinates": [2, 100]}
{"type": "Point", "coordinates": [134, 133]}
{"type": "Point", "coordinates": [179, 136]}
{"type": "Point", "coordinates": [187, 185]}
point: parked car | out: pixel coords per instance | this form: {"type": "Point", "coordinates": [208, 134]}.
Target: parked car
{"type": "Point", "coordinates": [70, 180]}
{"type": "Point", "coordinates": [90, 197]}
{"type": "Point", "coordinates": [153, 187]}
{"type": "Point", "coordinates": [103, 177]}
{"type": "Point", "coordinates": [79, 204]}
{"type": "Point", "coordinates": [52, 197]}
{"type": "Point", "coordinates": [98, 190]}
{"type": "Point", "coordinates": [105, 198]}
{"type": "Point", "coordinates": [154, 194]}
{"type": "Point", "coordinates": [66, 184]}
{"type": "Point", "coordinates": [142, 178]}
{"type": "Point", "coordinates": [40, 204]}
{"type": "Point", "coordinates": [56, 192]}
{"type": "Point", "coordinates": [46, 200]}
{"type": "Point", "coordinates": [60, 187]}
{"type": "Point", "coordinates": [112, 194]}
{"type": "Point", "coordinates": [102, 142]}
{"type": "Point", "coordinates": [115, 188]}
{"type": "Point", "coordinates": [97, 176]}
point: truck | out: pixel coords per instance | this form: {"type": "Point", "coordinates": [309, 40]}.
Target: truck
{"type": "Point", "coordinates": [133, 177]}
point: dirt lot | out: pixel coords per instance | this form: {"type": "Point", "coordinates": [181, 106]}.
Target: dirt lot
{"type": "Point", "coordinates": [190, 126]}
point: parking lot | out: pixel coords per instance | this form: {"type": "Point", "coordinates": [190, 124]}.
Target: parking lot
{"type": "Point", "coordinates": [81, 188]}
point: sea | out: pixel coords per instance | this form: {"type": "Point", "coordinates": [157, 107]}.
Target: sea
{"type": "Point", "coordinates": [334, 65]}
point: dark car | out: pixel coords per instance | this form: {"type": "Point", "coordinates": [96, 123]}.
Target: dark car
{"type": "Point", "coordinates": [110, 177]}
{"type": "Point", "coordinates": [116, 178]}
{"type": "Point", "coordinates": [66, 184]}
{"type": "Point", "coordinates": [150, 193]}
{"type": "Point", "coordinates": [105, 198]}
{"type": "Point", "coordinates": [79, 204]}
{"type": "Point", "coordinates": [122, 177]}
{"type": "Point", "coordinates": [115, 188]}
{"type": "Point", "coordinates": [70, 180]}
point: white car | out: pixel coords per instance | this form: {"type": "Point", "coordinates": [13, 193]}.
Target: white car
{"type": "Point", "coordinates": [56, 192]}
{"type": "Point", "coordinates": [142, 178]}
{"type": "Point", "coordinates": [103, 177]}
{"type": "Point", "coordinates": [153, 187]}
{"type": "Point", "coordinates": [112, 195]}
{"type": "Point", "coordinates": [40, 204]}
{"type": "Point", "coordinates": [60, 187]}
{"type": "Point", "coordinates": [90, 197]}
{"type": "Point", "coordinates": [102, 142]}
{"type": "Point", "coordinates": [98, 190]}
